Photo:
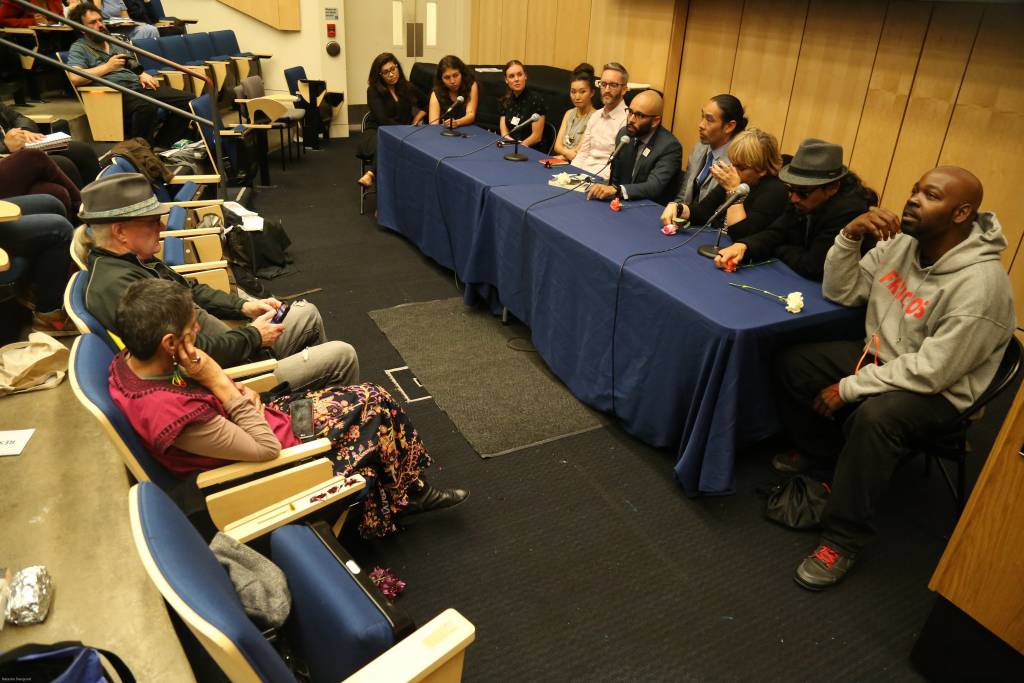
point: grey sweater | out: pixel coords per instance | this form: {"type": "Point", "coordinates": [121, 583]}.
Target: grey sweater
{"type": "Point", "coordinates": [941, 329]}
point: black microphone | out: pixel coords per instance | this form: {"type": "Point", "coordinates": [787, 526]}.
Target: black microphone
{"type": "Point", "coordinates": [623, 141]}
{"type": "Point", "coordinates": [450, 131]}
{"type": "Point", "coordinates": [505, 141]}
{"type": "Point", "coordinates": [711, 250]}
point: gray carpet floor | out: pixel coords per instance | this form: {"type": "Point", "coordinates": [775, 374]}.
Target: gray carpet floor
{"type": "Point", "coordinates": [485, 375]}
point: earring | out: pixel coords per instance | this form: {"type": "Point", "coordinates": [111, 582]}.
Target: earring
{"type": "Point", "coordinates": [176, 377]}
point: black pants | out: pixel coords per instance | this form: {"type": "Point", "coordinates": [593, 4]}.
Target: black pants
{"type": "Point", "coordinates": [43, 236]}
{"type": "Point", "coordinates": [141, 116]}
{"type": "Point", "coordinates": [78, 162]}
{"type": "Point", "coordinates": [866, 441]}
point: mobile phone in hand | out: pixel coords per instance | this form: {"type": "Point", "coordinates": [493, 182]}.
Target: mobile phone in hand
{"type": "Point", "coordinates": [281, 313]}
{"type": "Point", "coordinates": [301, 412]}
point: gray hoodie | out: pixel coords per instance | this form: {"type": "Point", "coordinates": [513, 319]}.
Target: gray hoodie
{"type": "Point", "coordinates": [941, 329]}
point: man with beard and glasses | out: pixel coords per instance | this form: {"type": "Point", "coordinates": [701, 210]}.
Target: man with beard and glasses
{"type": "Point", "coordinates": [649, 166]}
{"type": "Point", "coordinates": [824, 195]}
{"type": "Point", "coordinates": [600, 138]}
{"type": "Point", "coordinates": [101, 58]}
{"type": "Point", "coordinates": [939, 316]}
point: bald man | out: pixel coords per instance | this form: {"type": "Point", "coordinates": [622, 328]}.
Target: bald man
{"type": "Point", "coordinates": [649, 166]}
{"type": "Point", "coordinates": [939, 317]}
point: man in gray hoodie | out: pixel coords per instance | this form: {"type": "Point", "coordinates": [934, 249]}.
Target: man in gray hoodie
{"type": "Point", "coordinates": [939, 316]}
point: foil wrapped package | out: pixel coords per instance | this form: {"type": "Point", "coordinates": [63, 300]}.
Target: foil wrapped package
{"type": "Point", "coordinates": [31, 595]}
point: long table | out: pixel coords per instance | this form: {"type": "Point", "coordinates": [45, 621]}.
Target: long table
{"type": "Point", "coordinates": [682, 358]}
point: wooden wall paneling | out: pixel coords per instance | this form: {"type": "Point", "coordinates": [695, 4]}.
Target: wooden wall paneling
{"type": "Point", "coordinates": [834, 69]}
{"type": "Point", "coordinates": [634, 32]}
{"type": "Point", "coordinates": [980, 570]}
{"type": "Point", "coordinates": [766, 60]}
{"type": "Point", "coordinates": [709, 51]}
{"type": "Point", "coordinates": [512, 32]}
{"type": "Point", "coordinates": [542, 32]}
{"type": "Point", "coordinates": [474, 32]}
{"type": "Point", "coordinates": [675, 61]}
{"type": "Point", "coordinates": [900, 47]}
{"type": "Point", "coordinates": [573, 34]}
{"type": "Point", "coordinates": [986, 133]}
{"type": "Point", "coordinates": [486, 44]}
{"type": "Point", "coordinates": [940, 71]}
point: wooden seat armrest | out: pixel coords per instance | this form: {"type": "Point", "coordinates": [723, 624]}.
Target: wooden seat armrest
{"type": "Point", "coordinates": [191, 232]}
{"type": "Point", "coordinates": [96, 88]}
{"type": "Point", "coordinates": [433, 652]}
{"type": "Point", "coordinates": [42, 118]}
{"type": "Point", "coordinates": [5, 261]}
{"type": "Point", "coordinates": [198, 267]}
{"type": "Point", "coordinates": [196, 203]}
{"type": "Point", "coordinates": [18, 29]}
{"type": "Point", "coordinates": [241, 470]}
{"type": "Point", "coordinates": [201, 179]}
{"type": "Point", "coordinates": [250, 369]}
{"type": "Point", "coordinates": [262, 55]}
{"type": "Point", "coordinates": [294, 507]}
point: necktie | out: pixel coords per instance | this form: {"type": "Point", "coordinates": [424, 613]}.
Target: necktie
{"type": "Point", "coordinates": [710, 159]}
{"type": "Point", "coordinates": [637, 156]}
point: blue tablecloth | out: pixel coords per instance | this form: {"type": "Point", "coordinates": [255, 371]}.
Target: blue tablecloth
{"type": "Point", "coordinates": [692, 354]}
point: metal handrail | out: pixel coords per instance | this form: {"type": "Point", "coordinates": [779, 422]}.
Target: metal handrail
{"type": "Point", "coordinates": [210, 85]}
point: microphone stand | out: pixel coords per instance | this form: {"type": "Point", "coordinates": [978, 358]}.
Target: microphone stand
{"type": "Point", "coordinates": [449, 130]}
{"type": "Point", "coordinates": [515, 155]}
{"type": "Point", "coordinates": [711, 250]}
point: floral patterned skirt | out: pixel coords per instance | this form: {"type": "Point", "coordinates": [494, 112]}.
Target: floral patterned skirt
{"type": "Point", "coordinates": [371, 436]}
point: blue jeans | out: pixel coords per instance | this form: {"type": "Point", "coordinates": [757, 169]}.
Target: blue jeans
{"type": "Point", "coordinates": [43, 236]}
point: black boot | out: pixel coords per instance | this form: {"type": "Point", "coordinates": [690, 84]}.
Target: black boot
{"type": "Point", "coordinates": [429, 498]}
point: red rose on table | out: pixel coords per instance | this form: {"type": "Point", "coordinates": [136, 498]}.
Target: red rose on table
{"type": "Point", "coordinates": [616, 205]}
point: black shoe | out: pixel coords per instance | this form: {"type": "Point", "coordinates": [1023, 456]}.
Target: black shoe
{"type": "Point", "coordinates": [430, 498]}
{"type": "Point", "coordinates": [824, 569]}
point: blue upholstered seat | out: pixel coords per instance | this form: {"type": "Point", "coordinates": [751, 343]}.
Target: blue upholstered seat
{"type": "Point", "coordinates": [225, 42]}
{"type": "Point", "coordinates": [335, 626]}
{"type": "Point", "coordinates": [90, 361]}
{"type": "Point", "coordinates": [74, 303]}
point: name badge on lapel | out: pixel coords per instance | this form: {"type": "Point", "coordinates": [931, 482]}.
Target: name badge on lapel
{"type": "Point", "coordinates": [514, 120]}
{"type": "Point", "coordinates": [647, 152]}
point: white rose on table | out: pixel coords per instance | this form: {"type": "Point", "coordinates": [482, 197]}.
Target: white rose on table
{"type": "Point", "coordinates": [794, 302]}
{"type": "Point", "coordinates": [563, 178]}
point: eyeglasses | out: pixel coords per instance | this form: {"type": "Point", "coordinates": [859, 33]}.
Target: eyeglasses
{"type": "Point", "coordinates": [610, 86]}
{"type": "Point", "coordinates": [639, 114]}
{"type": "Point", "coordinates": [389, 72]}
{"type": "Point", "coordinates": [801, 192]}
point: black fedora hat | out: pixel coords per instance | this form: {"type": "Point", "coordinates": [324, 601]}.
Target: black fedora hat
{"type": "Point", "coordinates": [816, 162]}
{"type": "Point", "coordinates": [119, 197]}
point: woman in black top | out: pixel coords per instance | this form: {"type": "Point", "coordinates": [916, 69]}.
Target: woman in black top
{"type": "Point", "coordinates": [393, 101]}
{"type": "Point", "coordinates": [754, 159]}
{"type": "Point", "coordinates": [452, 79]}
{"type": "Point", "coordinates": [519, 104]}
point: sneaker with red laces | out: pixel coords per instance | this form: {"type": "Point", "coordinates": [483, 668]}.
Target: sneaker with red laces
{"type": "Point", "coordinates": [824, 568]}
{"type": "Point", "coordinates": [791, 462]}
{"type": "Point", "coordinates": [56, 324]}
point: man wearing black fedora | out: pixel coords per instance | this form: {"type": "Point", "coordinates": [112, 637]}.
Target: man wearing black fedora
{"type": "Point", "coordinates": [823, 197]}
{"type": "Point", "coordinates": [123, 216]}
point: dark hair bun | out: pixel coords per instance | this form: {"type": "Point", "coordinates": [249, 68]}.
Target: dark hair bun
{"type": "Point", "coordinates": [583, 70]}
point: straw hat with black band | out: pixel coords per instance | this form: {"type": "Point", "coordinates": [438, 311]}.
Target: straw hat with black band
{"type": "Point", "coordinates": [815, 163]}
{"type": "Point", "coordinates": [120, 197]}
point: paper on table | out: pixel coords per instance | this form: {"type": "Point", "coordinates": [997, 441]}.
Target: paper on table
{"type": "Point", "coordinates": [239, 209]}
{"type": "Point", "coordinates": [252, 223]}
{"type": "Point", "coordinates": [12, 441]}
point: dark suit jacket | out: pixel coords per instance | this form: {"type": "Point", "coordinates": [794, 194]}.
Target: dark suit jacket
{"type": "Point", "coordinates": [658, 174]}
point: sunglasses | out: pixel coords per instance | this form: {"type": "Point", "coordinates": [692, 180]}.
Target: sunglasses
{"type": "Point", "coordinates": [801, 192]}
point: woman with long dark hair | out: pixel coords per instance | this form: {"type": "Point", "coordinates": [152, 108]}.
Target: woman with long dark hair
{"type": "Point", "coordinates": [574, 123]}
{"type": "Point", "coordinates": [519, 104]}
{"type": "Point", "coordinates": [393, 100]}
{"type": "Point", "coordinates": [452, 80]}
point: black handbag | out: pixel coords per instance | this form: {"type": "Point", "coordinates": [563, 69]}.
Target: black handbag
{"type": "Point", "coordinates": [798, 502]}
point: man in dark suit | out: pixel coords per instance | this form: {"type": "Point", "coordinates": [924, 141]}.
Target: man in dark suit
{"type": "Point", "coordinates": [649, 166]}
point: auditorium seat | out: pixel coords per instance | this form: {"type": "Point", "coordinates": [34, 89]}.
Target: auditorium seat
{"type": "Point", "coordinates": [339, 625]}
{"type": "Point", "coordinates": [281, 486]}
